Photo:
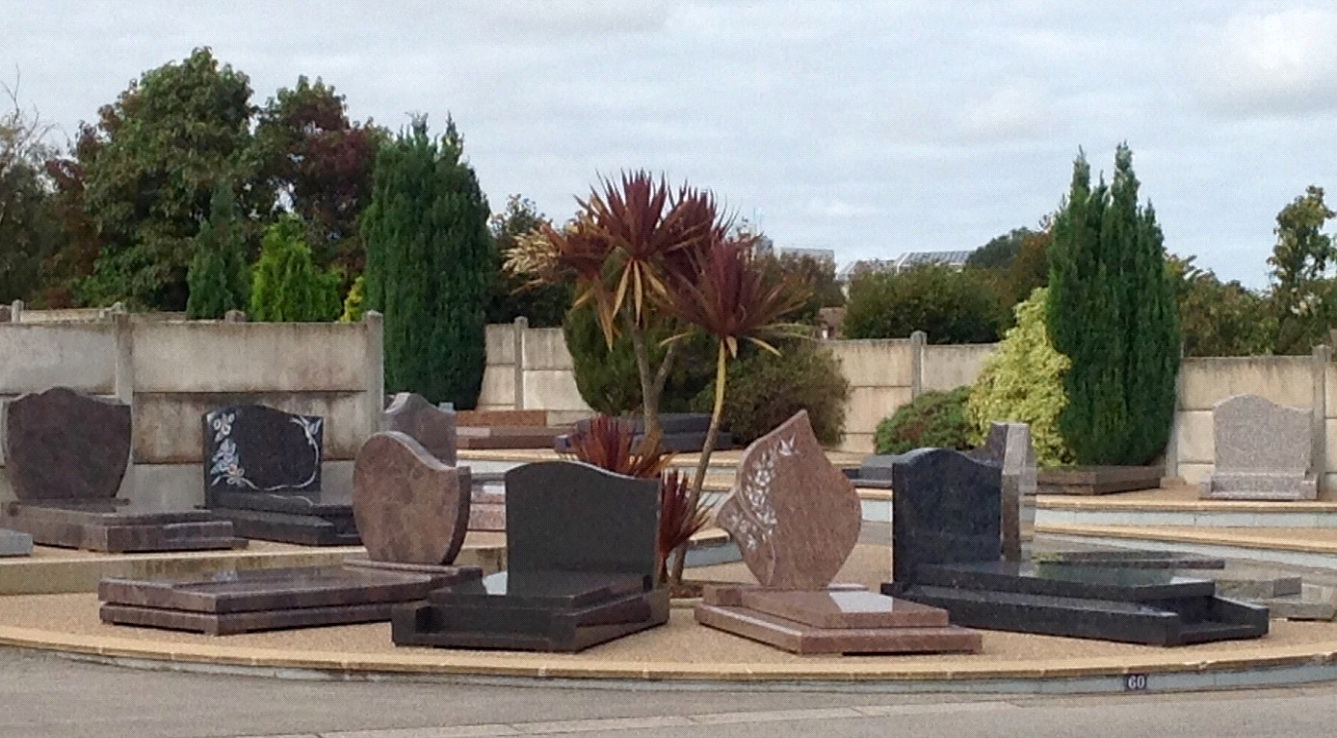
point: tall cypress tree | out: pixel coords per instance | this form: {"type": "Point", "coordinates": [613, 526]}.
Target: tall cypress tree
{"type": "Point", "coordinates": [429, 265]}
{"type": "Point", "coordinates": [287, 287]}
{"type": "Point", "coordinates": [217, 277]}
{"type": "Point", "coordinates": [1112, 311]}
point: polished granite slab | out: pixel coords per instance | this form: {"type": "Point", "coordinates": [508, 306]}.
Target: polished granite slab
{"type": "Point", "coordinates": [118, 526]}
{"type": "Point", "coordinates": [315, 518]}
{"type": "Point", "coordinates": [1134, 559]}
{"type": "Point", "coordinates": [557, 613]}
{"type": "Point", "coordinates": [580, 547]}
{"type": "Point", "coordinates": [270, 599]}
{"type": "Point", "coordinates": [1096, 582]}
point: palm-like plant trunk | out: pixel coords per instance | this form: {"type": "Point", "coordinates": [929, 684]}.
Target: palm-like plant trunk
{"type": "Point", "coordinates": [652, 381]}
{"type": "Point", "coordinates": [707, 448]}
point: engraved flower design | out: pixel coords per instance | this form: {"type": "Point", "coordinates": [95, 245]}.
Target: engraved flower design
{"type": "Point", "coordinates": [222, 425]}
{"type": "Point", "coordinates": [227, 466]}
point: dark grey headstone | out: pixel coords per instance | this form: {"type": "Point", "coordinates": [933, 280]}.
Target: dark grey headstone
{"type": "Point", "coordinates": [432, 427]}
{"type": "Point", "coordinates": [260, 449]}
{"type": "Point", "coordinates": [564, 516]}
{"type": "Point", "coordinates": [946, 509]}
{"type": "Point", "coordinates": [61, 444]}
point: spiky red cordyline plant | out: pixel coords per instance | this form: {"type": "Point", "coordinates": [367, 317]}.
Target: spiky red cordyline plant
{"type": "Point", "coordinates": [621, 248]}
{"type": "Point", "coordinates": [679, 519]}
{"type": "Point", "coordinates": [730, 297]}
{"type": "Point", "coordinates": [610, 443]}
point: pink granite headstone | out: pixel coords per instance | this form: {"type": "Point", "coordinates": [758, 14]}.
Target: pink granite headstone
{"type": "Point", "coordinates": [794, 516]}
{"type": "Point", "coordinates": [434, 428]}
{"type": "Point", "coordinates": [409, 507]}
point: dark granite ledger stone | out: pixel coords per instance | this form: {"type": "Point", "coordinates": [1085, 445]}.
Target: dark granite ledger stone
{"type": "Point", "coordinates": [61, 444]}
{"type": "Point", "coordinates": [946, 508]}
{"type": "Point", "coordinates": [580, 544]}
{"type": "Point", "coordinates": [253, 448]}
{"type": "Point", "coordinates": [117, 526]}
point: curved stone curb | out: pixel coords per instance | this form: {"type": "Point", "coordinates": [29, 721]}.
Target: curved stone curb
{"type": "Point", "coordinates": [1284, 666]}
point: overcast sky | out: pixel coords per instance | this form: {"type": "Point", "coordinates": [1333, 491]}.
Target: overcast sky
{"type": "Point", "coordinates": [869, 128]}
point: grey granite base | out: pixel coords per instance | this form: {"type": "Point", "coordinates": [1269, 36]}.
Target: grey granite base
{"type": "Point", "coordinates": [14, 543]}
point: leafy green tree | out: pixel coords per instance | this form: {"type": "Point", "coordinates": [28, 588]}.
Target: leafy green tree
{"type": "Point", "coordinates": [1022, 382]}
{"type": "Point", "coordinates": [949, 306]}
{"type": "Point", "coordinates": [429, 265]}
{"type": "Point", "coordinates": [1112, 312]}
{"type": "Point", "coordinates": [1219, 319]}
{"type": "Point", "coordinates": [218, 276]}
{"type": "Point", "coordinates": [1301, 292]}
{"type": "Point", "coordinates": [353, 308]}
{"type": "Point", "coordinates": [513, 295]}
{"type": "Point", "coordinates": [817, 274]}
{"type": "Point", "coordinates": [286, 287]}
{"type": "Point", "coordinates": [320, 163]}
{"type": "Point", "coordinates": [1000, 251]}
{"type": "Point", "coordinates": [149, 169]}
{"type": "Point", "coordinates": [29, 228]}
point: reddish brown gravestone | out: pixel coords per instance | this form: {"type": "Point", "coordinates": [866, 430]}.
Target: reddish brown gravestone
{"type": "Point", "coordinates": [434, 428]}
{"type": "Point", "coordinates": [409, 507]}
{"type": "Point", "coordinates": [64, 445]}
{"type": "Point", "coordinates": [794, 516]}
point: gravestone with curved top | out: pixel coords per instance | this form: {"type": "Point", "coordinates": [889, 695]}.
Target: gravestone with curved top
{"type": "Point", "coordinates": [796, 519]}
{"type": "Point", "coordinates": [1264, 451]}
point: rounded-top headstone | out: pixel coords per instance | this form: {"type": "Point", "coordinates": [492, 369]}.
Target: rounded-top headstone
{"type": "Point", "coordinates": [409, 507]}
{"type": "Point", "coordinates": [794, 516]}
{"type": "Point", "coordinates": [65, 445]}
{"type": "Point", "coordinates": [433, 427]}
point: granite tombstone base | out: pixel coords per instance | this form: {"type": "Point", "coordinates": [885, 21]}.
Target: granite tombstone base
{"type": "Point", "coordinates": [947, 553]}
{"type": "Point", "coordinates": [681, 433]}
{"type": "Point", "coordinates": [118, 526]}
{"type": "Point", "coordinates": [14, 543]}
{"type": "Point", "coordinates": [318, 518]}
{"type": "Point", "coordinates": [273, 599]}
{"type": "Point", "coordinates": [840, 619]}
{"type": "Point", "coordinates": [580, 547]}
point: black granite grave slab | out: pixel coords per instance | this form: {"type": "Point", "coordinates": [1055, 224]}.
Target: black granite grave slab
{"type": "Point", "coordinates": [244, 601]}
{"type": "Point", "coordinates": [580, 544]}
{"type": "Point", "coordinates": [1134, 559]}
{"type": "Point", "coordinates": [117, 526]}
{"type": "Point", "coordinates": [260, 449]}
{"type": "Point", "coordinates": [262, 473]}
{"type": "Point", "coordinates": [947, 553]}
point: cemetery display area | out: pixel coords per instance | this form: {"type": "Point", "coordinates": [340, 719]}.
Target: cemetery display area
{"type": "Point", "coordinates": [412, 511]}
{"type": "Point", "coordinates": [796, 519]}
{"type": "Point", "coordinates": [946, 552]}
{"type": "Point", "coordinates": [681, 433]}
{"type": "Point", "coordinates": [66, 455]}
{"type": "Point", "coordinates": [580, 551]}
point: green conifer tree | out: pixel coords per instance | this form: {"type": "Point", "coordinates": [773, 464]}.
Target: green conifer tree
{"type": "Point", "coordinates": [286, 287]}
{"type": "Point", "coordinates": [429, 265]}
{"type": "Point", "coordinates": [217, 277]}
{"type": "Point", "coordinates": [1112, 312]}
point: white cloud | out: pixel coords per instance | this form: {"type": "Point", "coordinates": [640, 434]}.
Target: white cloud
{"type": "Point", "coordinates": [833, 208]}
{"type": "Point", "coordinates": [1273, 63]}
{"type": "Point", "coordinates": [1016, 109]}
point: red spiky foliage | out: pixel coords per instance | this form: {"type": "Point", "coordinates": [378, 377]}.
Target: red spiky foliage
{"type": "Point", "coordinates": [729, 296]}
{"type": "Point", "coordinates": [610, 443]}
{"type": "Point", "coordinates": [679, 518]}
{"type": "Point", "coordinates": [624, 242]}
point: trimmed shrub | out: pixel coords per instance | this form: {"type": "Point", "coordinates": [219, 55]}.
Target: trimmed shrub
{"type": "Point", "coordinates": [286, 287]}
{"type": "Point", "coordinates": [353, 301]}
{"type": "Point", "coordinates": [765, 390]}
{"type": "Point", "coordinates": [1022, 382]}
{"type": "Point", "coordinates": [607, 378]}
{"type": "Point", "coordinates": [932, 420]}
{"type": "Point", "coordinates": [949, 306]}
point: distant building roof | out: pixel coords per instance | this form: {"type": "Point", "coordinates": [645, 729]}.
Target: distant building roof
{"type": "Point", "coordinates": [909, 260]}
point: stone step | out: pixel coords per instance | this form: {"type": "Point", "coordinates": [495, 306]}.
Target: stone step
{"type": "Point", "coordinates": [1315, 602]}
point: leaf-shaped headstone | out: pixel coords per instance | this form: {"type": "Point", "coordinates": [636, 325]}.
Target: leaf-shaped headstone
{"type": "Point", "coordinates": [794, 516]}
{"type": "Point", "coordinates": [409, 507]}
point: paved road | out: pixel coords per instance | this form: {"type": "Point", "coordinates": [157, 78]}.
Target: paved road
{"type": "Point", "coordinates": [45, 696]}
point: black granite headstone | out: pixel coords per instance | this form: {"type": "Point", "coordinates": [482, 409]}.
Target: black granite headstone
{"type": "Point", "coordinates": [259, 449]}
{"type": "Point", "coordinates": [574, 517]}
{"type": "Point", "coordinates": [580, 546]}
{"type": "Point", "coordinates": [945, 509]}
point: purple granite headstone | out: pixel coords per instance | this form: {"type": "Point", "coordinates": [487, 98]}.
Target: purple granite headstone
{"type": "Point", "coordinates": [65, 445]}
